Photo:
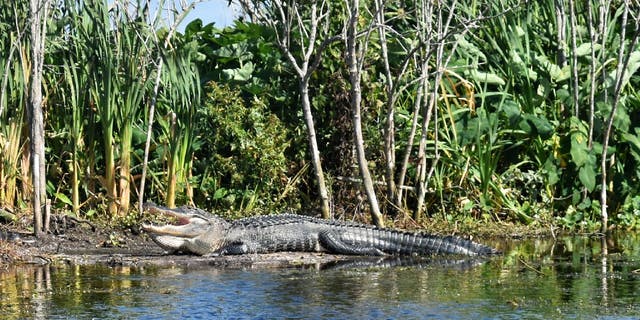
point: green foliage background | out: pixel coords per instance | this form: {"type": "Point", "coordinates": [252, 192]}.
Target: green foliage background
{"type": "Point", "coordinates": [511, 147]}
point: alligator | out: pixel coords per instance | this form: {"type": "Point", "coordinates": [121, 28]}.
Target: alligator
{"type": "Point", "coordinates": [195, 231]}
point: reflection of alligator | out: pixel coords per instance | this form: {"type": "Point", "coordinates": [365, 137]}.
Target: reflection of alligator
{"type": "Point", "coordinates": [434, 262]}
{"type": "Point", "coordinates": [197, 231]}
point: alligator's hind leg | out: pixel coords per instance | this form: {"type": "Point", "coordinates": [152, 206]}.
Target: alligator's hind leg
{"type": "Point", "coordinates": [332, 243]}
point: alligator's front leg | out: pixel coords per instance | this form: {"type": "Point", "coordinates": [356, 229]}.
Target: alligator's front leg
{"type": "Point", "coordinates": [332, 243]}
{"type": "Point", "coordinates": [234, 248]}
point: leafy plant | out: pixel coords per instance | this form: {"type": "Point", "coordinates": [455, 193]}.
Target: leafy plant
{"type": "Point", "coordinates": [240, 159]}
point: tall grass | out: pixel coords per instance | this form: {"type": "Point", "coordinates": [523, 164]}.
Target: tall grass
{"type": "Point", "coordinates": [180, 97]}
{"type": "Point", "coordinates": [76, 97]}
{"type": "Point", "coordinates": [14, 73]}
{"type": "Point", "coordinates": [100, 80]}
{"type": "Point", "coordinates": [489, 91]}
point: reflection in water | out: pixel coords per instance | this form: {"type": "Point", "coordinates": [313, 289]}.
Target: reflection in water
{"type": "Point", "coordinates": [42, 284]}
{"type": "Point", "coordinates": [537, 278]}
{"type": "Point", "coordinates": [24, 291]}
{"type": "Point", "coordinates": [604, 272]}
{"type": "Point", "coordinates": [41, 291]}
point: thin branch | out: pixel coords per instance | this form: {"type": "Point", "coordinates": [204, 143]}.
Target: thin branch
{"type": "Point", "coordinates": [623, 62]}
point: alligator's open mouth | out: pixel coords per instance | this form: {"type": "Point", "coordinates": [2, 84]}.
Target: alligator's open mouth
{"type": "Point", "coordinates": [176, 217]}
{"type": "Point", "coordinates": [182, 226]}
{"type": "Point", "coordinates": [180, 222]}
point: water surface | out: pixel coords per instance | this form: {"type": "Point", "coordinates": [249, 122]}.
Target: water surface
{"type": "Point", "coordinates": [569, 278]}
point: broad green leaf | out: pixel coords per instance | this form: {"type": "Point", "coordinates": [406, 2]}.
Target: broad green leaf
{"type": "Point", "coordinates": [536, 126]}
{"type": "Point", "coordinates": [485, 77]}
{"type": "Point", "coordinates": [556, 73]}
{"type": "Point", "coordinates": [543, 126]}
{"type": "Point", "coordinates": [469, 49]}
{"type": "Point", "coordinates": [236, 51]}
{"type": "Point", "coordinates": [219, 193]}
{"type": "Point", "coordinates": [239, 74]}
{"type": "Point", "coordinates": [552, 171]}
{"type": "Point", "coordinates": [563, 95]}
{"type": "Point", "coordinates": [578, 126]}
{"type": "Point", "coordinates": [632, 67]}
{"type": "Point", "coordinates": [585, 49]}
{"type": "Point", "coordinates": [621, 120]}
{"type": "Point", "coordinates": [579, 150]}
{"type": "Point", "coordinates": [512, 111]}
{"type": "Point", "coordinates": [63, 198]}
{"type": "Point", "coordinates": [634, 142]}
{"type": "Point", "coordinates": [521, 67]}
{"type": "Point", "coordinates": [588, 177]}
{"type": "Point", "coordinates": [193, 27]}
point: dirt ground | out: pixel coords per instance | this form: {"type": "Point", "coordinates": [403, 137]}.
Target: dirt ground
{"type": "Point", "coordinates": [79, 242]}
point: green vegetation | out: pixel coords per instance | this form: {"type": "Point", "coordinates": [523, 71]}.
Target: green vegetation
{"type": "Point", "coordinates": [494, 111]}
{"type": "Point", "coordinates": [241, 165]}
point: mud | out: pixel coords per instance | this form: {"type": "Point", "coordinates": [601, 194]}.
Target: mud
{"type": "Point", "coordinates": [79, 242]}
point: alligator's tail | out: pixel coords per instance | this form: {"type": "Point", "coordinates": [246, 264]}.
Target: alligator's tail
{"type": "Point", "coordinates": [408, 243]}
{"type": "Point", "coordinates": [455, 245]}
{"type": "Point", "coordinates": [422, 243]}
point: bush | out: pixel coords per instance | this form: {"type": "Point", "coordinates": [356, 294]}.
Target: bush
{"type": "Point", "coordinates": [240, 162]}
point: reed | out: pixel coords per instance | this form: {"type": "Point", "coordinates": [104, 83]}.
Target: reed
{"type": "Point", "coordinates": [14, 73]}
{"type": "Point", "coordinates": [108, 72]}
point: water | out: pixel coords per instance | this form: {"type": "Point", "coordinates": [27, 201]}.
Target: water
{"type": "Point", "coordinates": [572, 278]}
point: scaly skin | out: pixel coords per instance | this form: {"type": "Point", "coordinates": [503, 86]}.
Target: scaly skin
{"type": "Point", "coordinates": [201, 233]}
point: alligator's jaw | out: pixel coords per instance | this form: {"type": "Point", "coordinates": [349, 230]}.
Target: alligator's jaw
{"type": "Point", "coordinates": [189, 241]}
{"type": "Point", "coordinates": [178, 236]}
{"type": "Point", "coordinates": [190, 230]}
{"type": "Point", "coordinates": [174, 238]}
{"type": "Point", "coordinates": [170, 244]}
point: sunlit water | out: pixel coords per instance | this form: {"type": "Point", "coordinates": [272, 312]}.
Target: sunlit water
{"type": "Point", "coordinates": [572, 278]}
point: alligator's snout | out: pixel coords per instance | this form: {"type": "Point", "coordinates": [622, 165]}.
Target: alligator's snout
{"type": "Point", "coordinates": [183, 225]}
{"type": "Point", "coordinates": [183, 222]}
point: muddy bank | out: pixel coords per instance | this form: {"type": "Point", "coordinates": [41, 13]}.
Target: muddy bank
{"type": "Point", "coordinates": [272, 260]}
{"type": "Point", "coordinates": [78, 242]}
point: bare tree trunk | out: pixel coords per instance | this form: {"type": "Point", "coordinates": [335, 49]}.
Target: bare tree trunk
{"type": "Point", "coordinates": [412, 134]}
{"type": "Point", "coordinates": [313, 146]}
{"type": "Point", "coordinates": [574, 58]}
{"type": "Point", "coordinates": [147, 144]}
{"type": "Point", "coordinates": [429, 107]}
{"type": "Point", "coordinates": [429, 104]}
{"type": "Point", "coordinates": [593, 37]}
{"type": "Point", "coordinates": [623, 61]}
{"type": "Point", "coordinates": [561, 37]}
{"type": "Point", "coordinates": [441, 63]}
{"type": "Point", "coordinates": [281, 16]}
{"type": "Point", "coordinates": [393, 88]}
{"type": "Point", "coordinates": [38, 14]}
{"type": "Point", "coordinates": [355, 56]}
{"type": "Point", "coordinates": [424, 29]}
{"type": "Point", "coordinates": [389, 127]}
